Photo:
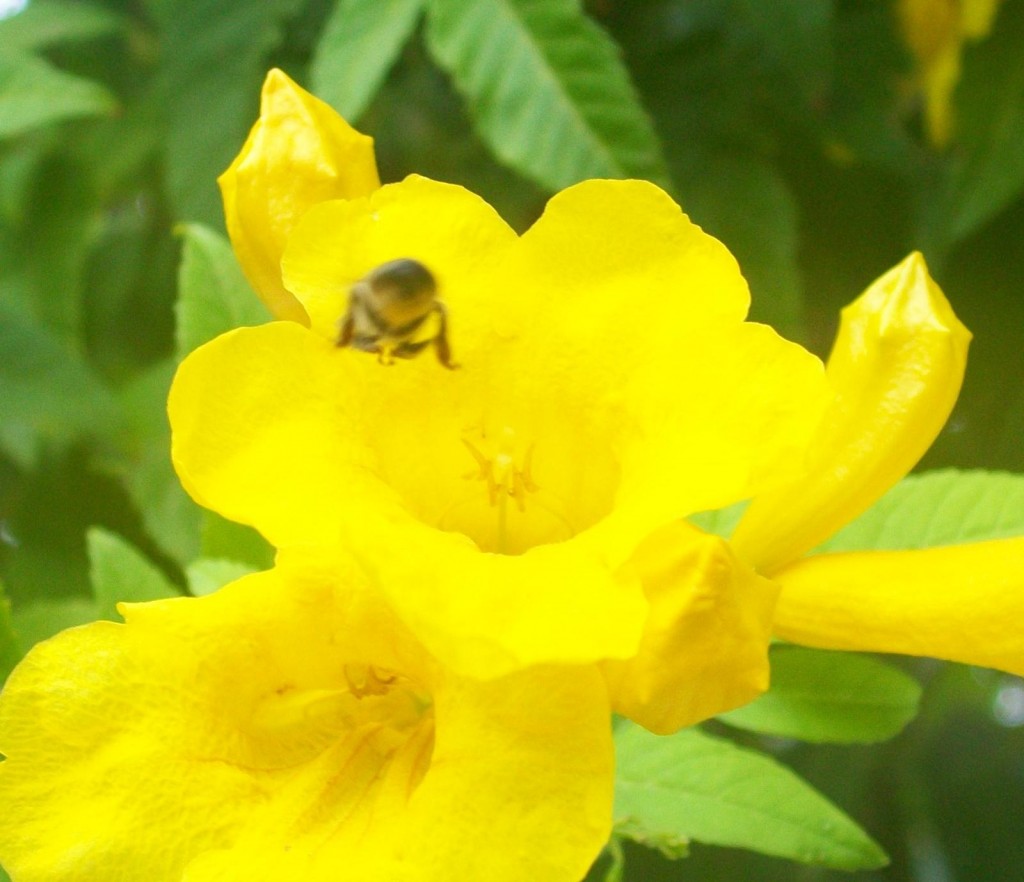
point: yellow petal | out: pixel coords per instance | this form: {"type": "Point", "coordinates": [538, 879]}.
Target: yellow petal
{"type": "Point", "coordinates": [279, 453]}
{"type": "Point", "coordinates": [963, 603]}
{"type": "Point", "coordinates": [705, 643]}
{"type": "Point", "coordinates": [289, 723]}
{"type": "Point", "coordinates": [299, 153]}
{"type": "Point", "coordinates": [625, 334]}
{"type": "Point", "coordinates": [896, 367]}
{"type": "Point", "coordinates": [597, 236]}
{"type": "Point", "coordinates": [447, 228]}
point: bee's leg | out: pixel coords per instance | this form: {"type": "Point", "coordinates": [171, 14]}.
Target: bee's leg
{"type": "Point", "coordinates": [385, 355]}
{"type": "Point", "coordinates": [444, 353]}
{"type": "Point", "coordinates": [346, 330]}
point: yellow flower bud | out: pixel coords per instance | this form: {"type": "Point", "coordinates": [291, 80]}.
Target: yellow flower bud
{"type": "Point", "coordinates": [299, 153]}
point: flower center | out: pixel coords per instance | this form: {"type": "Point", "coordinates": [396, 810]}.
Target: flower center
{"type": "Point", "coordinates": [505, 510]}
{"type": "Point", "coordinates": [350, 751]}
{"type": "Point", "coordinates": [311, 719]}
{"type": "Point", "coordinates": [504, 476]}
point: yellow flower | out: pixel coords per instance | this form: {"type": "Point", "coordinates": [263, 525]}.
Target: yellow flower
{"type": "Point", "coordinates": [896, 366]}
{"type": "Point", "coordinates": [523, 509]}
{"type": "Point", "coordinates": [936, 32]}
{"type": "Point", "coordinates": [289, 727]}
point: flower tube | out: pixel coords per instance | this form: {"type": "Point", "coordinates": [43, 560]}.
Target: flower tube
{"type": "Point", "coordinates": [896, 367]}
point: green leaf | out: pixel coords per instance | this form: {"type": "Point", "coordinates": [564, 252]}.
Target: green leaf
{"type": "Point", "coordinates": [797, 36]}
{"type": "Point", "coordinates": [944, 507]}
{"type": "Point", "coordinates": [870, 71]}
{"type": "Point", "coordinates": [127, 285]}
{"type": "Point", "coordinates": [213, 294]}
{"type": "Point", "coordinates": [42, 619]}
{"type": "Point", "coordinates": [208, 574]}
{"type": "Point", "coordinates": [721, 522]}
{"type": "Point", "coordinates": [987, 172]}
{"type": "Point", "coordinates": [617, 866]}
{"type": "Point", "coordinates": [55, 236]}
{"type": "Point", "coordinates": [44, 23]}
{"type": "Point", "coordinates": [33, 94]}
{"type": "Point", "coordinates": [225, 539]}
{"type": "Point", "coordinates": [171, 518]}
{"type": "Point", "coordinates": [10, 652]}
{"type": "Point", "coordinates": [747, 204]}
{"type": "Point", "coordinates": [18, 171]}
{"type": "Point", "coordinates": [692, 786]}
{"type": "Point", "coordinates": [120, 572]}
{"type": "Point", "coordinates": [830, 697]}
{"type": "Point", "coordinates": [216, 58]}
{"type": "Point", "coordinates": [546, 88]}
{"type": "Point", "coordinates": [358, 47]}
{"type": "Point", "coordinates": [48, 393]}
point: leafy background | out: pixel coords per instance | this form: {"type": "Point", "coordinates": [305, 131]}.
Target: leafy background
{"type": "Point", "coordinates": [789, 129]}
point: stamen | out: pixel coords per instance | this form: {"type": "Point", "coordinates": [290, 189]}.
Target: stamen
{"type": "Point", "coordinates": [502, 477]}
{"type": "Point", "coordinates": [511, 512]}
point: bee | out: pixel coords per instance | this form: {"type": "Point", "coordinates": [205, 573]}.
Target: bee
{"type": "Point", "coordinates": [394, 311]}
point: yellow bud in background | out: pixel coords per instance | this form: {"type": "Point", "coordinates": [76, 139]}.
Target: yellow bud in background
{"type": "Point", "coordinates": [936, 32]}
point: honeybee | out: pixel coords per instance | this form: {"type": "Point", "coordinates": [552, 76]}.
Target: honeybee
{"type": "Point", "coordinates": [394, 311]}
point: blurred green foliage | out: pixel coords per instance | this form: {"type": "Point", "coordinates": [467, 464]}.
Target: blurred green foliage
{"type": "Point", "coordinates": [789, 129]}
